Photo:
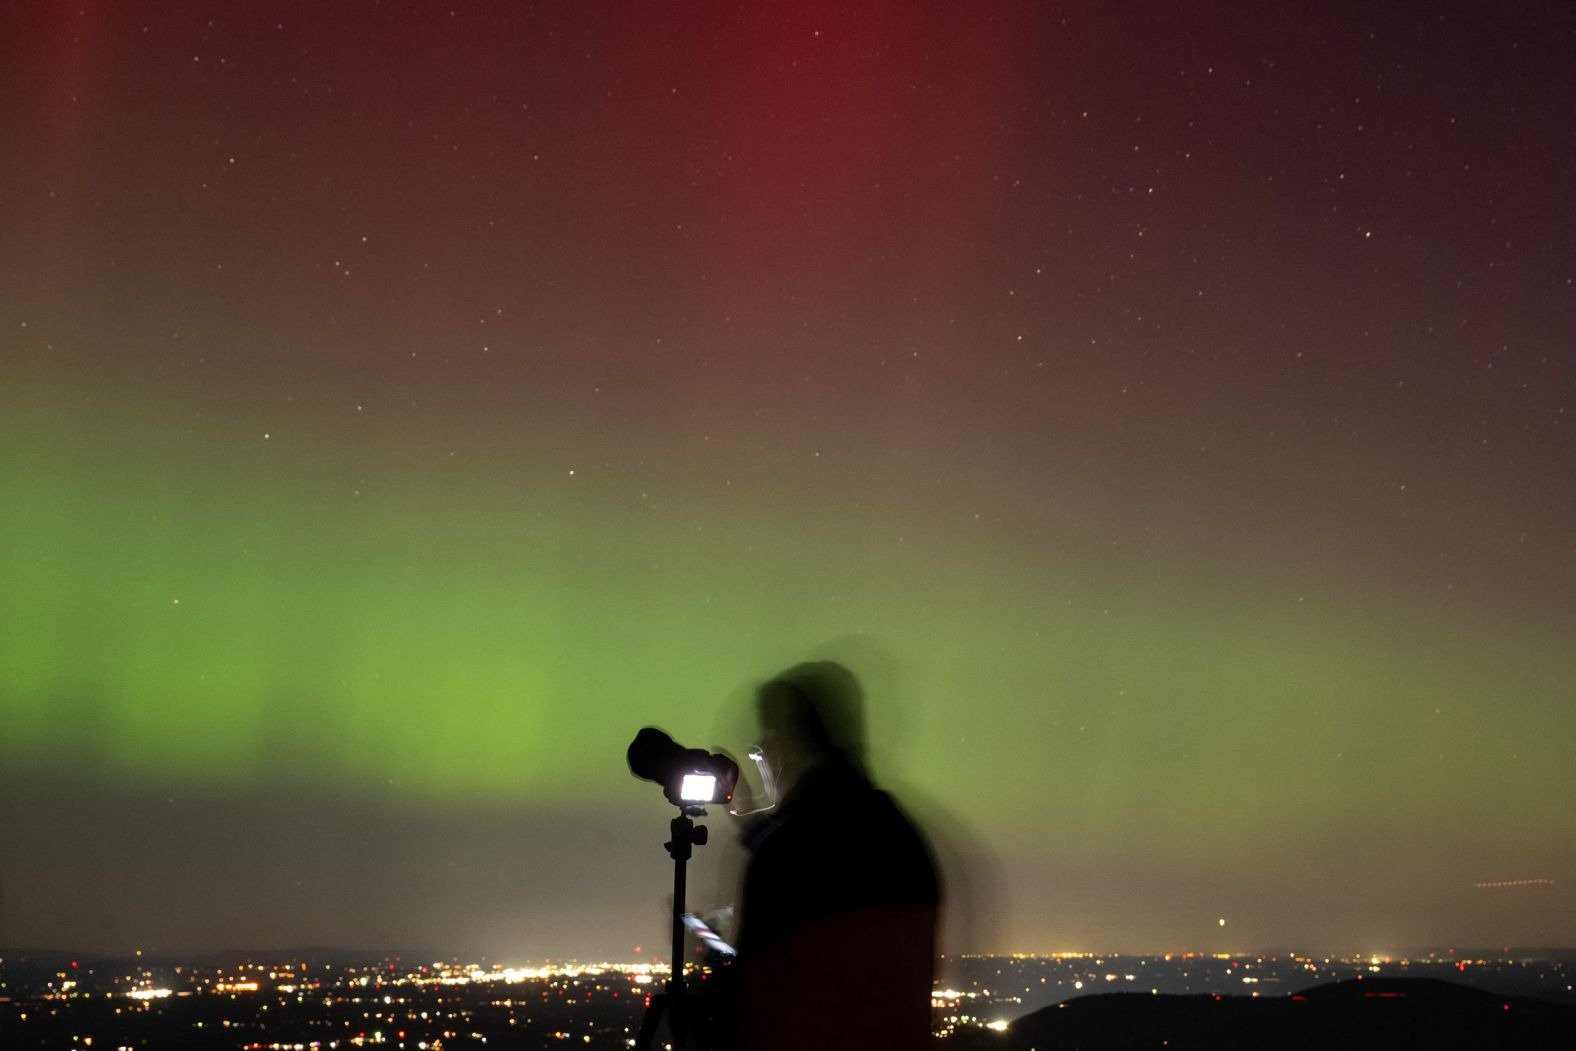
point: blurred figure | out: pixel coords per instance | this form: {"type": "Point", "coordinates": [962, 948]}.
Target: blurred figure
{"type": "Point", "coordinates": [837, 924]}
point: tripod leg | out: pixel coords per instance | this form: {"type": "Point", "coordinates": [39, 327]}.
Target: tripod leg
{"type": "Point", "coordinates": [645, 1040]}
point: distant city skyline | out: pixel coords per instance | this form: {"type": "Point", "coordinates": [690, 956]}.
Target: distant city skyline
{"type": "Point", "coordinates": [1168, 415]}
{"type": "Point", "coordinates": [281, 1000]}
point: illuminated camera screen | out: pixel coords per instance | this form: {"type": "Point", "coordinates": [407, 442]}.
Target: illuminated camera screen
{"type": "Point", "coordinates": [698, 788]}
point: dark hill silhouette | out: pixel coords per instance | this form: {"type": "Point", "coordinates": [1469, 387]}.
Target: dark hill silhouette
{"type": "Point", "coordinates": [1388, 1013]}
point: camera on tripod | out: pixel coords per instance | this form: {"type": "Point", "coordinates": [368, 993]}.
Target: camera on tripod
{"type": "Point", "coordinates": [691, 778]}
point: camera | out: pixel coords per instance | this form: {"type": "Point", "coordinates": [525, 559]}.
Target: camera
{"type": "Point", "coordinates": [690, 777]}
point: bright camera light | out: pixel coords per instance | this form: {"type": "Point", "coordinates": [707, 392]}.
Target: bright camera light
{"type": "Point", "coordinates": [698, 788]}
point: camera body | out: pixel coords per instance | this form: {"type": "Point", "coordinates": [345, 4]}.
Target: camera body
{"type": "Point", "coordinates": [691, 778]}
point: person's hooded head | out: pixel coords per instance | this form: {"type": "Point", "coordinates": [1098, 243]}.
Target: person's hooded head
{"type": "Point", "coordinates": [811, 714]}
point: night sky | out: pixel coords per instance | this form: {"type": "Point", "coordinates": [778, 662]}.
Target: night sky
{"type": "Point", "coordinates": [1170, 413]}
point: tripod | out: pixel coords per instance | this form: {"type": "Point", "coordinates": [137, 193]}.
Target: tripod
{"type": "Point", "coordinates": [686, 835]}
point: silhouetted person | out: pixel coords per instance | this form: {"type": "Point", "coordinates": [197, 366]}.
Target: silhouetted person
{"type": "Point", "coordinates": [837, 925]}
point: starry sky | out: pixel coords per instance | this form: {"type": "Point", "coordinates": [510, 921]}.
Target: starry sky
{"type": "Point", "coordinates": [1170, 414]}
